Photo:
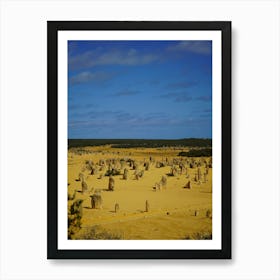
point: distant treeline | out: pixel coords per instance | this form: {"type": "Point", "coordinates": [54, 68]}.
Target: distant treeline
{"type": "Point", "coordinates": [197, 153]}
{"type": "Point", "coordinates": [141, 143]}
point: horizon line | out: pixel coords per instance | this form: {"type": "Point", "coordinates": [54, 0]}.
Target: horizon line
{"type": "Point", "coordinates": [139, 138]}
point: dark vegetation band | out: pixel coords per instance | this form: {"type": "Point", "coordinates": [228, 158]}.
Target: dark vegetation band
{"type": "Point", "coordinates": [196, 153]}
{"type": "Point", "coordinates": [141, 143]}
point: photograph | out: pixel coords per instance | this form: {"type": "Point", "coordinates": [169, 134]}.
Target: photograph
{"type": "Point", "coordinates": [140, 140]}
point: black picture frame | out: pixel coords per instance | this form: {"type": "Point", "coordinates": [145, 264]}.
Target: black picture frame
{"type": "Point", "coordinates": [53, 27]}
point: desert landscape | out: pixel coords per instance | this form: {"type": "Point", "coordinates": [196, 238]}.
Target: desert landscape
{"type": "Point", "coordinates": [140, 139]}
{"type": "Point", "coordinates": [139, 193]}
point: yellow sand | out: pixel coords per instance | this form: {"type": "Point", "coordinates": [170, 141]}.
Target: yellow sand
{"type": "Point", "coordinates": [172, 210]}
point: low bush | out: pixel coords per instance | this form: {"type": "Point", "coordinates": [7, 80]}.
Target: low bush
{"type": "Point", "coordinates": [196, 153]}
{"type": "Point", "coordinates": [203, 235]}
{"type": "Point", "coordinates": [95, 233]}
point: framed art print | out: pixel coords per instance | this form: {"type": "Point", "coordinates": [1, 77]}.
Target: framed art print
{"type": "Point", "coordinates": [139, 140]}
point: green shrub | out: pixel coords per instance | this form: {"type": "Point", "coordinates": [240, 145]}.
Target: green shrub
{"type": "Point", "coordinates": [197, 153]}
{"type": "Point", "coordinates": [95, 233]}
{"type": "Point", "coordinates": [203, 235]}
{"type": "Point", "coordinates": [75, 213]}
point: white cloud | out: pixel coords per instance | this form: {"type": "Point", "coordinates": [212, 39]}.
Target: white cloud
{"type": "Point", "coordinates": [87, 76]}
{"type": "Point", "coordinates": [113, 57]}
{"type": "Point", "coordinates": [199, 47]}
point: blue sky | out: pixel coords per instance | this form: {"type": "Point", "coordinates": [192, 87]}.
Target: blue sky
{"type": "Point", "coordinates": [139, 89]}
